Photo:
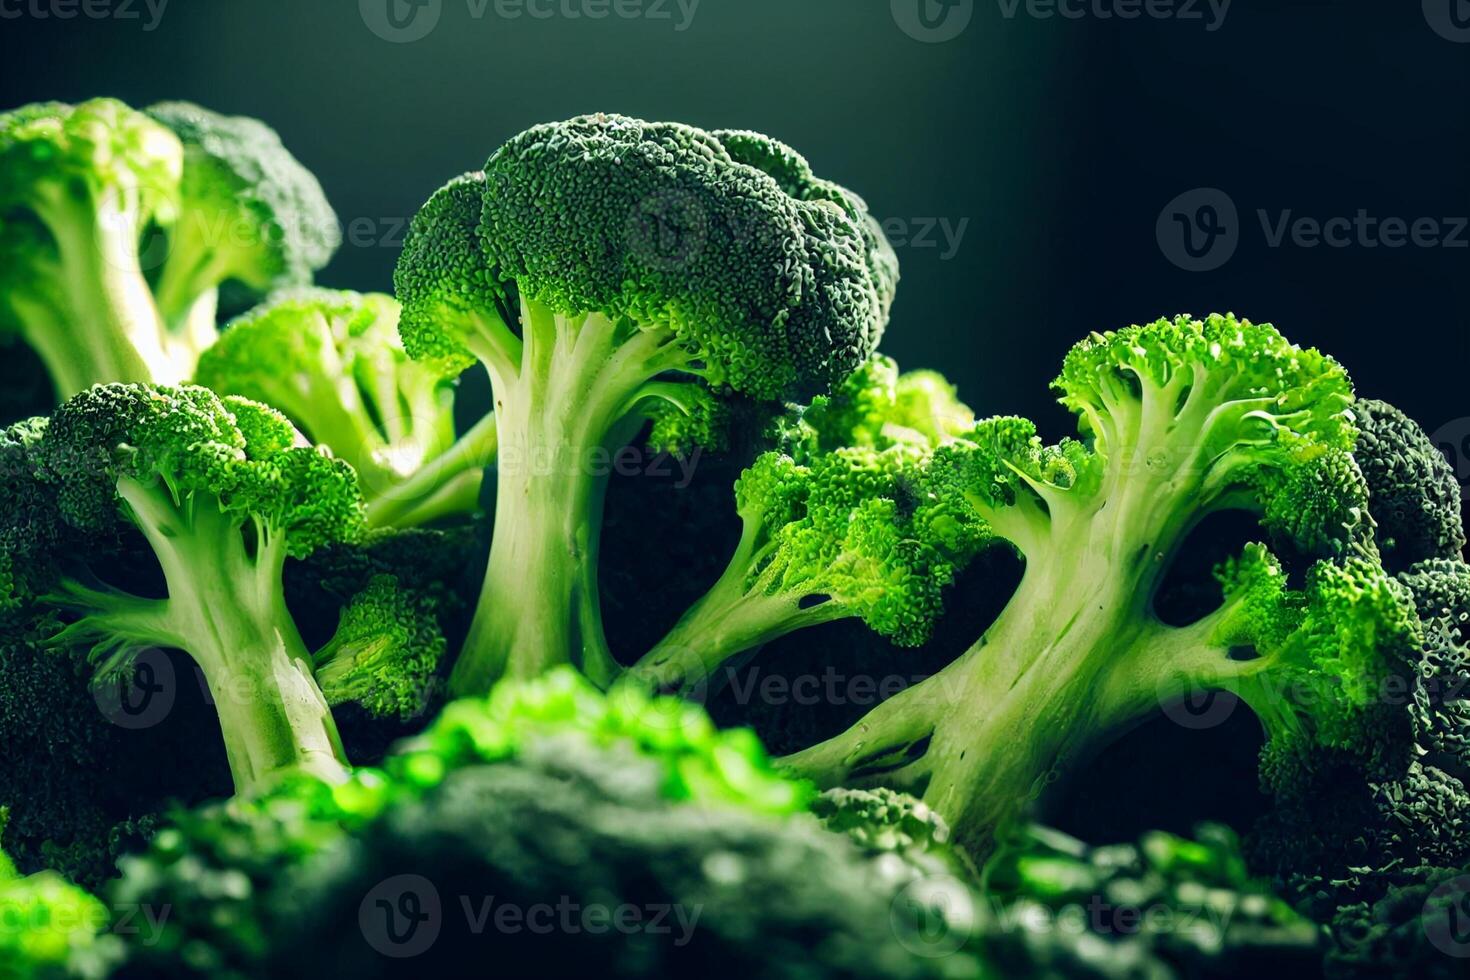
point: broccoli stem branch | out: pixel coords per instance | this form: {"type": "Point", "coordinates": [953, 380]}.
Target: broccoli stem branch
{"type": "Point", "coordinates": [447, 484]}
{"type": "Point", "coordinates": [227, 610]}
{"type": "Point", "coordinates": [740, 612]}
{"type": "Point", "coordinates": [112, 331]}
{"type": "Point", "coordinates": [559, 415]}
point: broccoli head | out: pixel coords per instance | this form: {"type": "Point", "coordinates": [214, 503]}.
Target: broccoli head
{"type": "Point", "coordinates": [667, 258]}
{"type": "Point", "coordinates": [331, 361]}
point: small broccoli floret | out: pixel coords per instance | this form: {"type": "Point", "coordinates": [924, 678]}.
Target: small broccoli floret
{"type": "Point", "coordinates": [840, 524]}
{"type": "Point", "coordinates": [881, 821]}
{"type": "Point", "coordinates": [1181, 418]}
{"type": "Point", "coordinates": [664, 260]}
{"type": "Point", "coordinates": [332, 362]}
{"type": "Point", "coordinates": [1415, 497]}
{"type": "Point", "coordinates": [51, 928]}
{"type": "Point", "coordinates": [223, 497]}
{"type": "Point", "coordinates": [386, 653]}
{"type": "Point", "coordinates": [78, 186]}
{"type": "Point", "coordinates": [249, 213]}
{"type": "Point", "coordinates": [1190, 903]}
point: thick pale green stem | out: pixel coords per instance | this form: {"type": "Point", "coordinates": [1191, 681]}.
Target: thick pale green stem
{"type": "Point", "coordinates": [447, 484]}
{"type": "Point", "coordinates": [564, 391]}
{"type": "Point", "coordinates": [226, 609]}
{"type": "Point", "coordinates": [111, 329]}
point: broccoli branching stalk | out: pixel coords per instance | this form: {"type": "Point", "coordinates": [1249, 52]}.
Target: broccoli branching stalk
{"type": "Point", "coordinates": [223, 495]}
{"type": "Point", "coordinates": [92, 195]}
{"type": "Point", "coordinates": [665, 258]}
{"type": "Point", "coordinates": [332, 362]}
{"type": "Point", "coordinates": [1183, 418]}
{"type": "Point", "coordinates": [832, 528]}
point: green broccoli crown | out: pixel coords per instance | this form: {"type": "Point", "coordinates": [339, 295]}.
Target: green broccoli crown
{"type": "Point", "coordinates": [656, 224]}
{"type": "Point", "coordinates": [1441, 590]}
{"type": "Point", "coordinates": [699, 762]}
{"type": "Point", "coordinates": [53, 928]}
{"type": "Point", "coordinates": [881, 820]}
{"type": "Point", "coordinates": [281, 228]}
{"type": "Point", "coordinates": [444, 275]}
{"type": "Point", "coordinates": [1332, 650]}
{"type": "Point", "coordinates": [49, 152]}
{"type": "Point", "coordinates": [853, 528]}
{"type": "Point", "coordinates": [193, 443]}
{"type": "Point", "coordinates": [877, 406]}
{"type": "Point", "coordinates": [32, 532]}
{"type": "Point", "coordinates": [386, 652]}
{"type": "Point", "coordinates": [332, 361]}
{"type": "Point", "coordinates": [1414, 496]}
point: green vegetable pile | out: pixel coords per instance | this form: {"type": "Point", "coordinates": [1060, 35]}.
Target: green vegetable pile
{"type": "Point", "coordinates": [317, 657]}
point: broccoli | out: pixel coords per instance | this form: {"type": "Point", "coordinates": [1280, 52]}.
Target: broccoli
{"type": "Point", "coordinates": [84, 189]}
{"type": "Point", "coordinates": [1415, 497]}
{"type": "Point", "coordinates": [386, 653]}
{"type": "Point", "coordinates": [833, 526]}
{"type": "Point", "coordinates": [223, 495]}
{"type": "Point", "coordinates": [332, 362]}
{"type": "Point", "coordinates": [249, 213]}
{"type": "Point", "coordinates": [1190, 905]}
{"type": "Point", "coordinates": [596, 267]}
{"type": "Point", "coordinates": [78, 186]}
{"type": "Point", "coordinates": [50, 928]}
{"type": "Point", "coordinates": [1182, 418]}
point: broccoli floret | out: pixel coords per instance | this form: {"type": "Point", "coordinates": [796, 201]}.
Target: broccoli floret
{"type": "Point", "coordinates": [332, 362]}
{"type": "Point", "coordinates": [78, 186]}
{"type": "Point", "coordinates": [660, 261]}
{"type": "Point", "coordinates": [1190, 904]}
{"type": "Point", "coordinates": [223, 496]}
{"type": "Point", "coordinates": [1182, 418]}
{"type": "Point", "coordinates": [51, 928]}
{"type": "Point", "coordinates": [881, 821]}
{"type": "Point", "coordinates": [1414, 495]}
{"type": "Point", "coordinates": [386, 653]}
{"type": "Point", "coordinates": [837, 525]}
{"type": "Point", "coordinates": [249, 213]}
{"type": "Point", "coordinates": [83, 190]}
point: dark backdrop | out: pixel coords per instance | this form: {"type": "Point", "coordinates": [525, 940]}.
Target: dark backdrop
{"type": "Point", "coordinates": [1053, 143]}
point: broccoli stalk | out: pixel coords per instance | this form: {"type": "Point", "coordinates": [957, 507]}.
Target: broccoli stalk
{"type": "Point", "coordinates": [331, 361]}
{"type": "Point", "coordinates": [1185, 418]}
{"type": "Point", "coordinates": [250, 213]}
{"type": "Point", "coordinates": [672, 258]}
{"type": "Point", "coordinates": [77, 187]}
{"type": "Point", "coordinates": [830, 530]}
{"type": "Point", "coordinates": [223, 497]}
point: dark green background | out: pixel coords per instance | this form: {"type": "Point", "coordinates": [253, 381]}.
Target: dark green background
{"type": "Point", "coordinates": [1059, 141]}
